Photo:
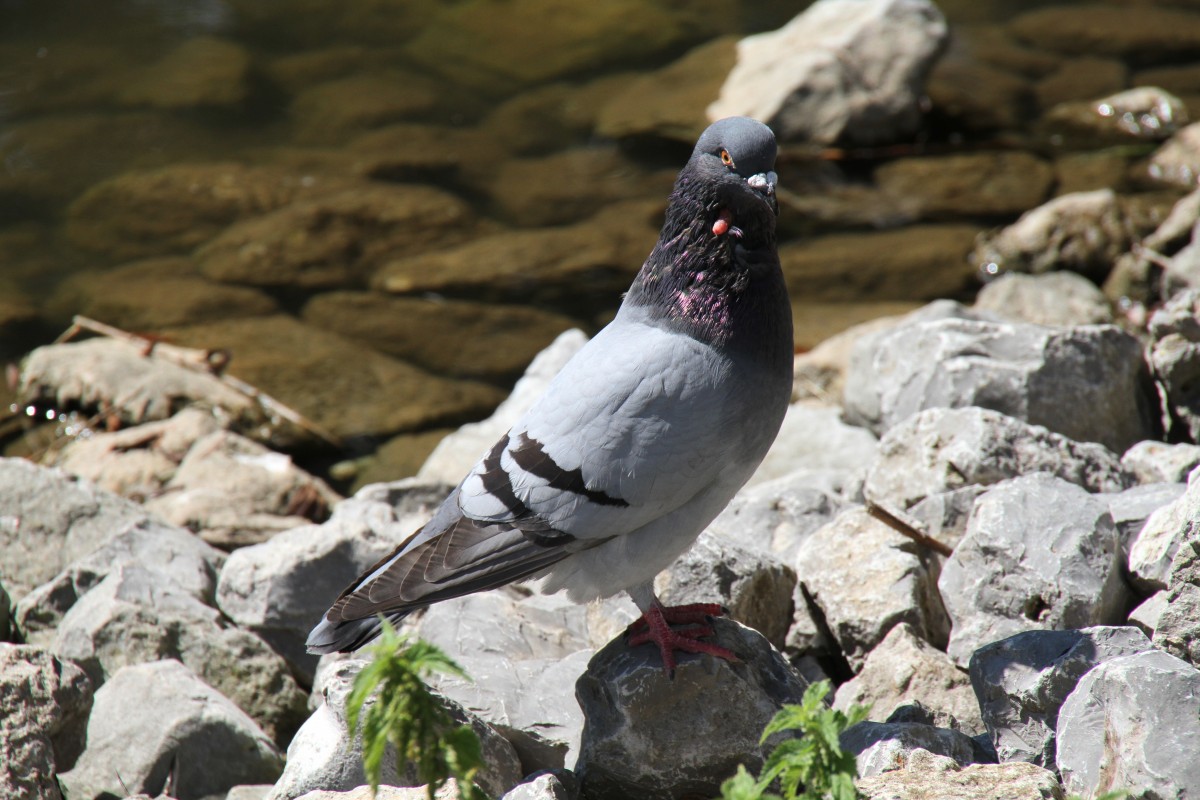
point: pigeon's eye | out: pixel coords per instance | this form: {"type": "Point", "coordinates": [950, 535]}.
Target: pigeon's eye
{"type": "Point", "coordinates": [726, 159]}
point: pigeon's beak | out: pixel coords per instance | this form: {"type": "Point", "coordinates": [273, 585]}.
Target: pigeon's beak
{"type": "Point", "coordinates": [764, 183]}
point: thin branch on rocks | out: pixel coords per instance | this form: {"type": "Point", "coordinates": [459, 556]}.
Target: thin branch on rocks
{"type": "Point", "coordinates": [212, 362]}
{"type": "Point", "coordinates": [908, 528]}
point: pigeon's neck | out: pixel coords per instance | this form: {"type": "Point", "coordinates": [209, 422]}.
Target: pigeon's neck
{"type": "Point", "coordinates": [721, 288]}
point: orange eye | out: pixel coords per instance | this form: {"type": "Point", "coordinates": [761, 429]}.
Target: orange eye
{"type": "Point", "coordinates": [726, 159]}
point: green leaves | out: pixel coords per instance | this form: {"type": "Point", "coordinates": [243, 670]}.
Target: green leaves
{"type": "Point", "coordinates": [814, 761]}
{"type": "Point", "coordinates": [408, 716]}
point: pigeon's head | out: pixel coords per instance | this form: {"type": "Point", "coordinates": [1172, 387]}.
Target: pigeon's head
{"type": "Point", "coordinates": [738, 153]}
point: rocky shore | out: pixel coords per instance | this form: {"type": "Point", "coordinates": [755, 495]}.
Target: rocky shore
{"type": "Point", "coordinates": [164, 557]}
{"type": "Point", "coordinates": [163, 578]}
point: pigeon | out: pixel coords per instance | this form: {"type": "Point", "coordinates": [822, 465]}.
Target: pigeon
{"type": "Point", "coordinates": [641, 439]}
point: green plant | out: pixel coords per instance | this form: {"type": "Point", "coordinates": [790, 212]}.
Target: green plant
{"type": "Point", "coordinates": [814, 761]}
{"type": "Point", "coordinates": [408, 716]}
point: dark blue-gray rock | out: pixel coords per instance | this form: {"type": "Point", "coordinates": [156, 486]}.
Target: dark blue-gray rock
{"type": "Point", "coordinates": [42, 730]}
{"type": "Point", "coordinates": [135, 616]}
{"type": "Point", "coordinates": [324, 756]}
{"type": "Point", "coordinates": [904, 669]}
{"type": "Point", "coordinates": [5, 614]}
{"type": "Point", "coordinates": [51, 520]}
{"type": "Point", "coordinates": [1133, 724]}
{"type": "Point", "coordinates": [944, 450]}
{"type": "Point", "coordinates": [880, 747]}
{"type": "Point", "coordinates": [651, 737]}
{"type": "Point", "coordinates": [1174, 356]}
{"type": "Point", "coordinates": [862, 599]}
{"type": "Point", "coordinates": [1039, 553]}
{"type": "Point", "coordinates": [1178, 629]}
{"type": "Point", "coordinates": [755, 586]}
{"type": "Point", "coordinates": [1042, 375]}
{"type": "Point", "coordinates": [277, 588]}
{"type": "Point", "coordinates": [1158, 462]}
{"type": "Point", "coordinates": [175, 555]}
{"type": "Point", "coordinates": [150, 721]}
{"type": "Point", "coordinates": [839, 71]}
{"type": "Point", "coordinates": [1022, 681]}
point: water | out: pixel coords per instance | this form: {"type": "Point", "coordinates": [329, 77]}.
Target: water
{"type": "Point", "coordinates": [497, 110]}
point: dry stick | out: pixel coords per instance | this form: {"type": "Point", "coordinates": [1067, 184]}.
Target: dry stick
{"type": "Point", "coordinates": [895, 523]}
{"type": "Point", "coordinates": [208, 361]}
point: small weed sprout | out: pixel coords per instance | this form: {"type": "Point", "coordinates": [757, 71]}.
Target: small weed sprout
{"type": "Point", "coordinates": [814, 761]}
{"type": "Point", "coordinates": [407, 715]}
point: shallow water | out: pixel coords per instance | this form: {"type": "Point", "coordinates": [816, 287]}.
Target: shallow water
{"type": "Point", "coordinates": [498, 107]}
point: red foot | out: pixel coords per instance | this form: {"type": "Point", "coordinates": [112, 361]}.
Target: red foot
{"type": "Point", "coordinates": [655, 626]}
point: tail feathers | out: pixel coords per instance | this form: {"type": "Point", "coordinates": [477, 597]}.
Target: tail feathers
{"type": "Point", "coordinates": [344, 636]}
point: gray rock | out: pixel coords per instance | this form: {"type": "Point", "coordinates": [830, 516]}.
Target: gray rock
{"type": "Point", "coordinates": [1146, 616]}
{"type": "Point", "coordinates": [1174, 357]}
{"type": "Point", "coordinates": [153, 720]}
{"type": "Point", "coordinates": [324, 756]}
{"type": "Point", "coordinates": [137, 462]}
{"type": "Point", "coordinates": [1152, 461]}
{"type": "Point", "coordinates": [904, 668]}
{"type": "Point", "coordinates": [1178, 629]}
{"type": "Point", "coordinates": [547, 786]}
{"type": "Point", "coordinates": [280, 588]}
{"type": "Point", "coordinates": [881, 747]}
{"type": "Point", "coordinates": [1053, 298]}
{"type": "Point", "coordinates": [1133, 723]}
{"type": "Point", "coordinates": [1147, 113]}
{"type": "Point", "coordinates": [177, 556]}
{"type": "Point", "coordinates": [778, 515]}
{"type": "Point", "coordinates": [46, 703]}
{"type": "Point", "coordinates": [234, 491]}
{"type": "Point", "coordinates": [1177, 162]}
{"type": "Point", "coordinates": [1039, 553]}
{"type": "Point", "coordinates": [1081, 232]}
{"type": "Point", "coordinates": [508, 623]}
{"type": "Point", "coordinates": [530, 703]}
{"type": "Point", "coordinates": [459, 451]}
{"type": "Point", "coordinates": [135, 387]}
{"type": "Point", "coordinates": [1155, 546]}
{"type": "Point", "coordinates": [1022, 682]}
{"type": "Point", "coordinates": [50, 520]}
{"type": "Point", "coordinates": [1132, 508]}
{"type": "Point", "coordinates": [941, 449]}
{"type": "Point", "coordinates": [632, 711]}
{"type": "Point", "coordinates": [852, 72]}
{"type": "Point", "coordinates": [814, 438]}
{"type": "Point", "coordinates": [755, 586]}
{"type": "Point", "coordinates": [1041, 375]}
{"type": "Point", "coordinates": [133, 616]}
{"type": "Point", "coordinates": [862, 599]}
{"type": "Point", "coordinates": [944, 515]}
{"type": "Point", "coordinates": [931, 777]}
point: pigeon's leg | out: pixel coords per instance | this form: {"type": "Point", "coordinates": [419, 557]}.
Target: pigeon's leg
{"type": "Point", "coordinates": [655, 627]}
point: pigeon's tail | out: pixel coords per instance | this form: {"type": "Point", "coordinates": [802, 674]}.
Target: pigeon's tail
{"type": "Point", "coordinates": [345, 636]}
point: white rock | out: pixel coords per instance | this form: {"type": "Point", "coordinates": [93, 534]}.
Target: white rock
{"type": "Point", "coordinates": [843, 69]}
